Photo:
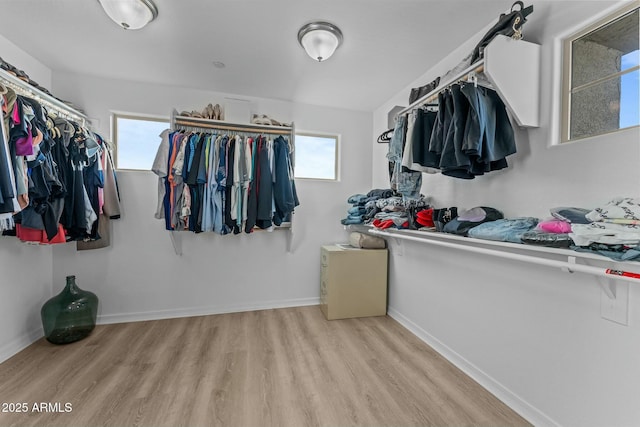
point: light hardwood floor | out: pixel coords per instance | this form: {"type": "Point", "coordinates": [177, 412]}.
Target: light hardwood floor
{"type": "Point", "coordinates": [285, 367]}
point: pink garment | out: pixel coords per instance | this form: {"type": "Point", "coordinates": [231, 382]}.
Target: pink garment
{"type": "Point", "coordinates": [16, 114]}
{"type": "Point", "coordinates": [555, 226]}
{"type": "Point", "coordinates": [24, 145]}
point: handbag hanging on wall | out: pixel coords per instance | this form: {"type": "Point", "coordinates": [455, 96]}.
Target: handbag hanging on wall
{"type": "Point", "coordinates": [509, 24]}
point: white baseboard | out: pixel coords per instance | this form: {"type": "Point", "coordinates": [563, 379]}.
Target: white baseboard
{"type": "Point", "coordinates": [202, 311]}
{"type": "Point", "coordinates": [20, 343]}
{"type": "Point", "coordinates": [515, 402]}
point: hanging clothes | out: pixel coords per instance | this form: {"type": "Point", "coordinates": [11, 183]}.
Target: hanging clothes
{"type": "Point", "coordinates": [228, 189]}
{"type": "Point", "coordinates": [108, 206]}
{"type": "Point", "coordinates": [252, 192]}
{"type": "Point", "coordinates": [471, 134]}
{"type": "Point", "coordinates": [55, 169]}
{"type": "Point", "coordinates": [265, 186]}
{"type": "Point", "coordinates": [403, 180]}
{"type": "Point", "coordinates": [210, 204]}
{"type": "Point", "coordinates": [221, 177]}
{"type": "Point", "coordinates": [419, 158]}
{"type": "Point", "coordinates": [8, 191]}
{"type": "Point", "coordinates": [224, 183]}
{"type": "Point", "coordinates": [284, 188]}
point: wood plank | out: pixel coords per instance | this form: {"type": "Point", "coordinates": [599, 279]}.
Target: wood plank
{"type": "Point", "coordinates": [285, 367]}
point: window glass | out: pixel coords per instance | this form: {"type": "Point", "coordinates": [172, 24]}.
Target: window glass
{"type": "Point", "coordinates": [601, 91]}
{"type": "Point", "coordinates": [616, 113]}
{"type": "Point", "coordinates": [316, 156]}
{"type": "Point", "coordinates": [137, 140]}
{"type": "Point", "coordinates": [630, 60]}
{"type": "Point", "coordinates": [630, 94]}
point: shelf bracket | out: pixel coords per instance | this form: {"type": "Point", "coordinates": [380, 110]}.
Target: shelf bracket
{"type": "Point", "coordinates": [570, 260]}
{"type": "Point", "coordinates": [614, 301]}
{"type": "Point", "coordinates": [399, 246]}
{"type": "Point", "coordinates": [176, 241]}
{"type": "Point", "coordinates": [609, 287]}
{"type": "Point", "coordinates": [290, 239]}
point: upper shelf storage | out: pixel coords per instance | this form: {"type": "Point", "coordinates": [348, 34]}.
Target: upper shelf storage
{"type": "Point", "coordinates": [49, 101]}
{"type": "Point", "coordinates": [196, 122]}
{"type": "Point", "coordinates": [513, 69]}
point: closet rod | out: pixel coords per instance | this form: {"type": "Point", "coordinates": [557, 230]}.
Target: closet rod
{"type": "Point", "coordinates": [565, 265]}
{"type": "Point", "coordinates": [477, 67]}
{"type": "Point", "coordinates": [280, 130]}
{"type": "Point", "coordinates": [23, 88]}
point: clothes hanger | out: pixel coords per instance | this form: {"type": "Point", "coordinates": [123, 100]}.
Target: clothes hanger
{"type": "Point", "coordinates": [385, 137]}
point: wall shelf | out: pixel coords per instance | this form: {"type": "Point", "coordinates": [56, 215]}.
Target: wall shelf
{"type": "Point", "coordinates": [49, 101]}
{"type": "Point", "coordinates": [200, 123]}
{"type": "Point", "coordinates": [614, 279]}
{"type": "Point", "coordinates": [521, 252]}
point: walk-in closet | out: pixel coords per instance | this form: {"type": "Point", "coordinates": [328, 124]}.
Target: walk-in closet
{"type": "Point", "coordinates": [282, 213]}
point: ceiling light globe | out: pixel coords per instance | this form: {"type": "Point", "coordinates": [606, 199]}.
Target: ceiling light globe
{"type": "Point", "coordinates": [130, 14]}
{"type": "Point", "coordinates": [320, 40]}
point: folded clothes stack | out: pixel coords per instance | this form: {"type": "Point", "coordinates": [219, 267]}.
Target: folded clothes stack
{"type": "Point", "coordinates": [384, 208]}
{"type": "Point", "coordinates": [399, 212]}
{"type": "Point", "coordinates": [363, 206]}
{"type": "Point", "coordinates": [614, 230]}
{"type": "Point", "coordinates": [554, 232]}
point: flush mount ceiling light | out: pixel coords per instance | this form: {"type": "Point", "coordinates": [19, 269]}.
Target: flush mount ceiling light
{"type": "Point", "coordinates": [130, 14]}
{"type": "Point", "coordinates": [320, 39]}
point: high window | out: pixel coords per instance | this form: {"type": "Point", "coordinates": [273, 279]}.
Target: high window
{"type": "Point", "coordinates": [601, 74]}
{"type": "Point", "coordinates": [136, 139]}
{"type": "Point", "coordinates": [316, 156]}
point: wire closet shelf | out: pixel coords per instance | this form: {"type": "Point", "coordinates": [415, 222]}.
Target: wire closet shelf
{"type": "Point", "coordinates": [51, 103]}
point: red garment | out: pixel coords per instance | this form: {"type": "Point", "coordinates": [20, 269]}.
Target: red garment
{"type": "Point", "coordinates": [425, 218]}
{"type": "Point", "coordinates": [27, 234]}
{"type": "Point", "coordinates": [377, 223]}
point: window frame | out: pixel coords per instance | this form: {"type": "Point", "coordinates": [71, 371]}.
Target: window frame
{"type": "Point", "coordinates": [115, 115]}
{"type": "Point", "coordinates": [566, 82]}
{"type": "Point", "coordinates": [337, 138]}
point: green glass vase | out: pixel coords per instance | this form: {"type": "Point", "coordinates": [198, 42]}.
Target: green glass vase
{"type": "Point", "coordinates": [71, 315]}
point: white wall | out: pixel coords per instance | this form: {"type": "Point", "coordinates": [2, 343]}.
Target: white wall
{"type": "Point", "coordinates": [532, 335]}
{"type": "Point", "coordinates": [25, 286]}
{"type": "Point", "coordinates": [17, 57]}
{"type": "Point", "coordinates": [141, 277]}
{"type": "Point", "coordinates": [26, 269]}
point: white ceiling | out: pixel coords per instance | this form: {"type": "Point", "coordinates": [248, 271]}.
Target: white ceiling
{"type": "Point", "coordinates": [387, 44]}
